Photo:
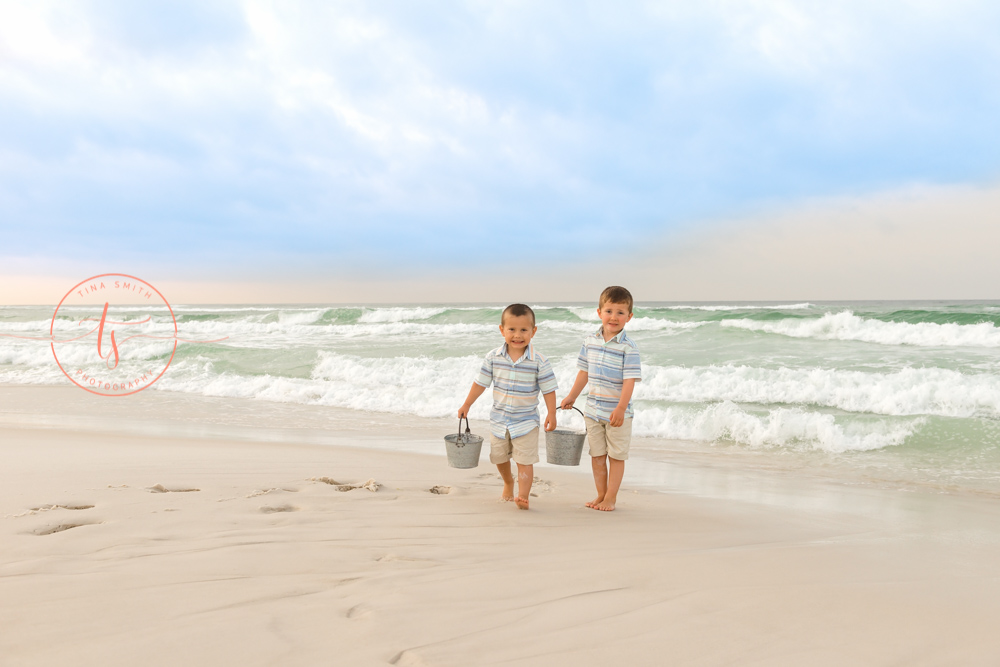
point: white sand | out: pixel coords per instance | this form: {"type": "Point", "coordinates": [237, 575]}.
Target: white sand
{"type": "Point", "coordinates": [123, 544]}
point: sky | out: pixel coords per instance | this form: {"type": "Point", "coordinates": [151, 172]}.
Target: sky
{"type": "Point", "coordinates": [344, 151]}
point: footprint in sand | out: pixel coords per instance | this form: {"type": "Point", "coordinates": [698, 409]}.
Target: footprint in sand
{"type": "Point", "coordinates": [44, 508]}
{"type": "Point", "coordinates": [264, 492]}
{"type": "Point", "coordinates": [49, 508]}
{"type": "Point", "coordinates": [393, 558]}
{"type": "Point", "coordinates": [440, 490]}
{"type": "Point", "coordinates": [49, 530]}
{"type": "Point", "coordinates": [371, 484]}
{"type": "Point", "coordinates": [159, 488]}
{"type": "Point", "coordinates": [542, 485]}
{"type": "Point", "coordinates": [358, 611]}
{"type": "Point", "coordinates": [266, 509]}
{"type": "Point", "coordinates": [407, 658]}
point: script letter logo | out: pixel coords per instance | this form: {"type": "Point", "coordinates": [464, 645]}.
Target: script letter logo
{"type": "Point", "coordinates": [100, 338]}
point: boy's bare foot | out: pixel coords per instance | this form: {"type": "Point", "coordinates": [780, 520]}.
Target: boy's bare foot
{"type": "Point", "coordinates": [508, 492]}
{"type": "Point", "coordinates": [522, 503]}
{"type": "Point", "coordinates": [604, 506]}
{"type": "Point", "coordinates": [594, 502]}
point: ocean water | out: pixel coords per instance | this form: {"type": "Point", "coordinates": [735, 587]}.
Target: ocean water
{"type": "Point", "coordinates": [905, 394]}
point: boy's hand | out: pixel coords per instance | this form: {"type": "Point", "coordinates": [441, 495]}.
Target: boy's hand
{"type": "Point", "coordinates": [567, 403]}
{"type": "Point", "coordinates": [464, 411]}
{"type": "Point", "coordinates": [550, 422]}
{"type": "Point", "coordinates": [618, 416]}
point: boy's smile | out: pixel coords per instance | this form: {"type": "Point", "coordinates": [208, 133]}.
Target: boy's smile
{"type": "Point", "coordinates": [517, 330]}
{"type": "Point", "coordinates": [614, 317]}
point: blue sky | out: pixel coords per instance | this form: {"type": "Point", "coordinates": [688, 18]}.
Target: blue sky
{"type": "Point", "coordinates": [314, 139]}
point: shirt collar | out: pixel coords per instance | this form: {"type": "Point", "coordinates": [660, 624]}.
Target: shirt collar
{"type": "Point", "coordinates": [618, 337]}
{"type": "Point", "coordinates": [529, 354]}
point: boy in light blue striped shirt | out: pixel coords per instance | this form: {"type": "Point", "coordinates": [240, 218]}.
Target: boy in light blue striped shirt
{"type": "Point", "coordinates": [609, 362]}
{"type": "Point", "coordinates": [518, 373]}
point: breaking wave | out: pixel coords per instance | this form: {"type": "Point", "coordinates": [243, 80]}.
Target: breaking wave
{"type": "Point", "coordinates": [846, 325]}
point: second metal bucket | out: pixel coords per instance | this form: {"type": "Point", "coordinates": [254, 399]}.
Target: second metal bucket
{"type": "Point", "coordinates": [564, 448]}
{"type": "Point", "coordinates": [463, 448]}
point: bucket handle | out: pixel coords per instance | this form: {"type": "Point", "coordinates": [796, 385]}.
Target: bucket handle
{"type": "Point", "coordinates": [461, 440]}
{"type": "Point", "coordinates": [571, 408]}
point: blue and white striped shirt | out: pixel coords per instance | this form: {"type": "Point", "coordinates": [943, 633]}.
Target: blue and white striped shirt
{"type": "Point", "coordinates": [515, 389]}
{"type": "Point", "coordinates": [608, 365]}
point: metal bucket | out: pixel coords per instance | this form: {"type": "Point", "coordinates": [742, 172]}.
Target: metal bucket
{"type": "Point", "coordinates": [463, 448]}
{"type": "Point", "coordinates": [564, 448]}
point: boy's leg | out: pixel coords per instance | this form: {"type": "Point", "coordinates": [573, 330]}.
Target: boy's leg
{"type": "Point", "coordinates": [618, 440]}
{"type": "Point", "coordinates": [525, 455]}
{"type": "Point", "coordinates": [614, 482]}
{"type": "Point", "coordinates": [500, 451]}
{"type": "Point", "coordinates": [599, 464]}
{"type": "Point", "coordinates": [598, 457]}
{"type": "Point", "coordinates": [508, 481]}
{"type": "Point", "coordinates": [525, 475]}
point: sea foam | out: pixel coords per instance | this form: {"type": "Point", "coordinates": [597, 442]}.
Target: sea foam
{"type": "Point", "coordinates": [436, 387]}
{"type": "Point", "coordinates": [845, 325]}
{"type": "Point", "coordinates": [405, 385]}
{"type": "Point", "coordinates": [910, 391]}
{"type": "Point", "coordinates": [790, 306]}
{"type": "Point", "coordinates": [399, 314]}
{"type": "Point", "coordinates": [779, 427]}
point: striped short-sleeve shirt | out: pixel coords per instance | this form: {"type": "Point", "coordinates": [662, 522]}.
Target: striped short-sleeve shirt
{"type": "Point", "coordinates": [608, 364]}
{"type": "Point", "coordinates": [516, 385]}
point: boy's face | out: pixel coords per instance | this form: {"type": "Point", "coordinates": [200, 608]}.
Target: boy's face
{"type": "Point", "coordinates": [614, 317]}
{"type": "Point", "coordinates": [517, 331]}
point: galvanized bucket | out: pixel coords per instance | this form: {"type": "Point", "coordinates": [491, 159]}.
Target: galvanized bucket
{"type": "Point", "coordinates": [463, 448]}
{"type": "Point", "coordinates": [564, 448]}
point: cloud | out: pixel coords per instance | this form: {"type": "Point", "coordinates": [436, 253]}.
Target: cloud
{"type": "Point", "coordinates": [313, 138]}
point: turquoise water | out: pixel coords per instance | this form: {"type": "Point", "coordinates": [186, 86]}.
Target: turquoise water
{"type": "Point", "coordinates": [905, 392]}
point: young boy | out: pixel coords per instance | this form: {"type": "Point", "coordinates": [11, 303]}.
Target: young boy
{"type": "Point", "coordinates": [518, 372]}
{"type": "Point", "coordinates": [609, 361]}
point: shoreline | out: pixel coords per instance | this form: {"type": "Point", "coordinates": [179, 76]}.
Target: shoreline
{"type": "Point", "coordinates": [656, 463]}
{"type": "Point", "coordinates": [112, 557]}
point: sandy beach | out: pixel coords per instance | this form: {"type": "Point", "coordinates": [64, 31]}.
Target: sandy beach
{"type": "Point", "coordinates": [165, 529]}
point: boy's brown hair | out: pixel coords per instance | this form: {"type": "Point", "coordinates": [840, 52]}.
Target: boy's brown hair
{"type": "Point", "coordinates": [517, 310]}
{"type": "Point", "coordinates": [615, 294]}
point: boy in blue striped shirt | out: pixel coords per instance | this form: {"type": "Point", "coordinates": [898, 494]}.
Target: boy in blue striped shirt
{"type": "Point", "coordinates": [609, 362]}
{"type": "Point", "coordinates": [518, 372]}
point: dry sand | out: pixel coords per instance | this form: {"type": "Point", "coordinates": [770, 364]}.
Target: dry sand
{"type": "Point", "coordinates": [127, 538]}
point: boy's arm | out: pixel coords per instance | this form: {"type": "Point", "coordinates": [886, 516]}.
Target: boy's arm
{"type": "Point", "coordinates": [474, 393]}
{"type": "Point", "coordinates": [479, 385]}
{"type": "Point", "coordinates": [618, 414]}
{"type": "Point", "coordinates": [581, 382]}
{"type": "Point", "coordinates": [550, 405]}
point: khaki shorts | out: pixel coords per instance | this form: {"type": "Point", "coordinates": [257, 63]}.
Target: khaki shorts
{"type": "Point", "coordinates": [604, 438]}
{"type": "Point", "coordinates": [523, 450]}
